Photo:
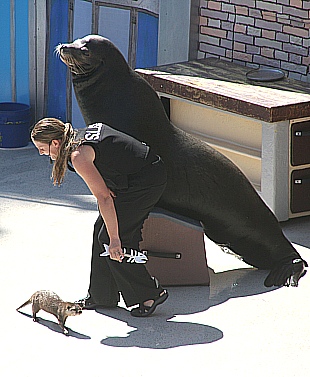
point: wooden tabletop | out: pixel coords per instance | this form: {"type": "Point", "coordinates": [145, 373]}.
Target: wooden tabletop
{"type": "Point", "coordinates": [224, 85]}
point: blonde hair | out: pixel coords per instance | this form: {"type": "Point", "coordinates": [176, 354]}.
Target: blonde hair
{"type": "Point", "coordinates": [49, 129]}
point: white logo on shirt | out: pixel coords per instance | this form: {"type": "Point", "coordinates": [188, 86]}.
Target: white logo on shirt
{"type": "Point", "coordinates": [93, 132]}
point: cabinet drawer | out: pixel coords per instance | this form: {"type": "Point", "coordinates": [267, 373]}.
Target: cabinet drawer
{"type": "Point", "coordinates": [300, 190]}
{"type": "Point", "coordinates": [300, 143]}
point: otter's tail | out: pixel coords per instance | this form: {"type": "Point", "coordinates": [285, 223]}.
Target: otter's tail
{"type": "Point", "coordinates": [24, 304]}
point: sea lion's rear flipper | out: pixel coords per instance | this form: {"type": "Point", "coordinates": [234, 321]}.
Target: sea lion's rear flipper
{"type": "Point", "coordinates": [287, 273]}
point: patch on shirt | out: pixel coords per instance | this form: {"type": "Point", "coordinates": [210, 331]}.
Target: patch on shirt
{"type": "Point", "coordinates": [93, 132]}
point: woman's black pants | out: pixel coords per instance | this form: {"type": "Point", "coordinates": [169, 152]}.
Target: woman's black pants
{"type": "Point", "coordinates": [108, 277]}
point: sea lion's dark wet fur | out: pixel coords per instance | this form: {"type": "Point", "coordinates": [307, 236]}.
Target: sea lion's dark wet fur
{"type": "Point", "coordinates": [202, 183]}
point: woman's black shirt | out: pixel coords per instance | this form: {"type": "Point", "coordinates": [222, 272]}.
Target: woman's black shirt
{"type": "Point", "coordinates": [121, 160]}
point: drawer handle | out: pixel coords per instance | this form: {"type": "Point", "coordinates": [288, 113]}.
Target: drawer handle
{"type": "Point", "coordinates": [302, 133]}
{"type": "Point", "coordinates": [300, 181]}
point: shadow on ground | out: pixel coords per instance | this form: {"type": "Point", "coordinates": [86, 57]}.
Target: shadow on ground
{"type": "Point", "coordinates": [55, 327]}
{"type": "Point", "coordinates": [164, 330]}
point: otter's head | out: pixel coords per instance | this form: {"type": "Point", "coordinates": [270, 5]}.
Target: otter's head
{"type": "Point", "coordinates": [86, 55]}
{"type": "Point", "coordinates": [73, 309]}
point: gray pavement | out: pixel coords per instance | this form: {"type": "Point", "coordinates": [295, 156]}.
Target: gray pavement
{"type": "Point", "coordinates": [235, 327]}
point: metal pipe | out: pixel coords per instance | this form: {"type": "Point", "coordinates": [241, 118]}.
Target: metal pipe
{"type": "Point", "coordinates": [13, 49]}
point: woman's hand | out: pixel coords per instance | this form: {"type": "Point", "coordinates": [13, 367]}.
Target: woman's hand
{"type": "Point", "coordinates": [116, 251]}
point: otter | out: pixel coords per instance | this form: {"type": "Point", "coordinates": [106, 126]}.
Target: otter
{"type": "Point", "coordinates": [53, 304]}
{"type": "Point", "coordinates": [202, 183]}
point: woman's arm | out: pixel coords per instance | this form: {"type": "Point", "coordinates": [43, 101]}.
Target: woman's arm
{"type": "Point", "coordinates": [83, 162]}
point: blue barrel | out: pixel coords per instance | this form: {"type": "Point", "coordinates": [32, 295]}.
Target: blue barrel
{"type": "Point", "coordinates": [14, 124]}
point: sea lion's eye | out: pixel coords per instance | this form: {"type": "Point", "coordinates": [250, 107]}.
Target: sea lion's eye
{"type": "Point", "coordinates": [85, 51]}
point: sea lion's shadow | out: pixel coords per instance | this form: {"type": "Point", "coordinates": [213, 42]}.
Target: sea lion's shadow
{"type": "Point", "coordinates": [163, 330]}
{"type": "Point", "coordinates": [55, 327]}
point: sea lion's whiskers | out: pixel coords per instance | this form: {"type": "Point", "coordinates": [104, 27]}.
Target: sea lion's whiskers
{"type": "Point", "coordinates": [57, 50]}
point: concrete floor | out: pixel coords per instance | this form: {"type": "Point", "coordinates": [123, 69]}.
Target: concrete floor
{"type": "Point", "coordinates": [235, 327]}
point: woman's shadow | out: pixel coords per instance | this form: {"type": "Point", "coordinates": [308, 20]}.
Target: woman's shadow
{"type": "Point", "coordinates": [161, 331]}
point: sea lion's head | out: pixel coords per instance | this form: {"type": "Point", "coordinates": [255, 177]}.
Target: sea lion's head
{"type": "Point", "coordinates": [86, 55]}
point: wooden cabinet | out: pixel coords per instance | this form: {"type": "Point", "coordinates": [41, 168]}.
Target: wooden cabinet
{"type": "Point", "coordinates": [263, 127]}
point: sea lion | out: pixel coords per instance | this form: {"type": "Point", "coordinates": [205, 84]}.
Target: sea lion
{"type": "Point", "coordinates": [202, 183]}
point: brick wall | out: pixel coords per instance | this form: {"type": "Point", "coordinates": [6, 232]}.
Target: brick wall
{"type": "Point", "coordinates": [258, 33]}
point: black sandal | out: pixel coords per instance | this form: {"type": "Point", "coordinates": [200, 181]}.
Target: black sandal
{"type": "Point", "coordinates": [144, 311]}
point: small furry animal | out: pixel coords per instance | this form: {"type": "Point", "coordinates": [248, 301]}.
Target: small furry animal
{"type": "Point", "coordinates": [52, 303]}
